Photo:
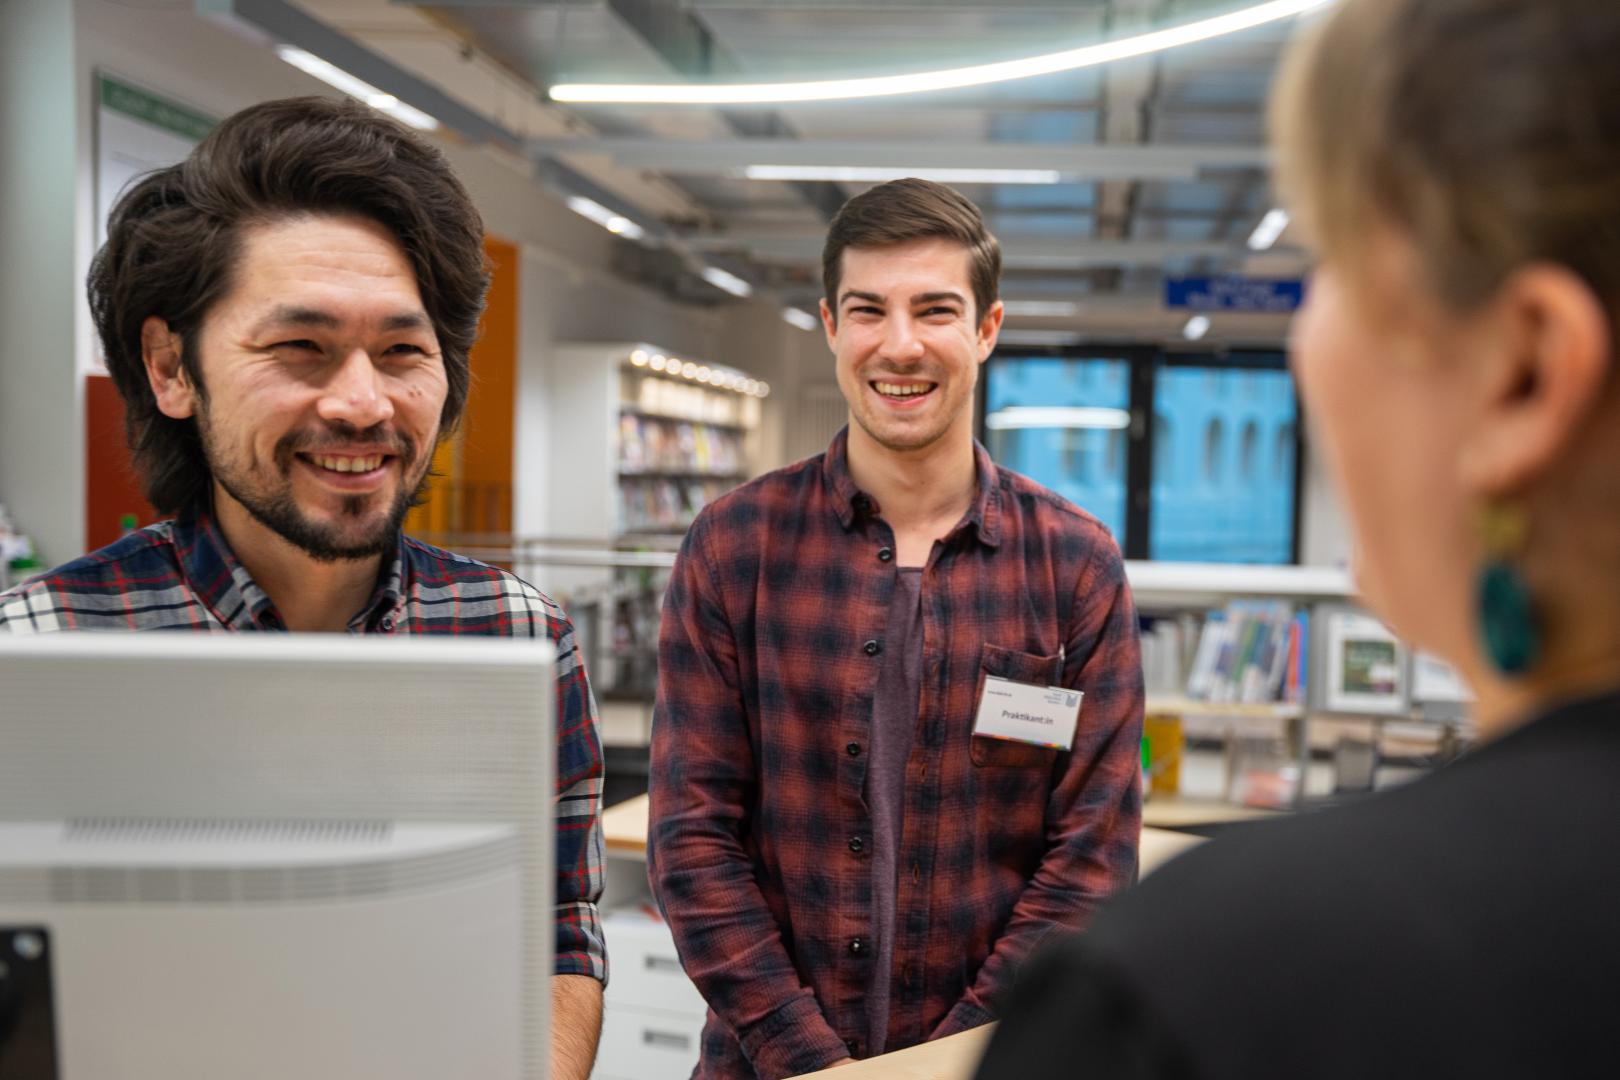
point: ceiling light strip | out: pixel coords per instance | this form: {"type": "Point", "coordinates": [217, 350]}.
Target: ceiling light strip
{"type": "Point", "coordinates": [1248, 18]}
{"type": "Point", "coordinates": [336, 77]}
{"type": "Point", "coordinates": [862, 174]}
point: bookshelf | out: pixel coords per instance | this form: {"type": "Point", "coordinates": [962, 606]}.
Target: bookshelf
{"type": "Point", "coordinates": [1318, 674]}
{"type": "Point", "coordinates": [641, 439]}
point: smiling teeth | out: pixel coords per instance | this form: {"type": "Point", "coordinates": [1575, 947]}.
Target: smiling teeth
{"type": "Point", "coordinates": [349, 464]}
{"type": "Point", "coordinates": [896, 390]}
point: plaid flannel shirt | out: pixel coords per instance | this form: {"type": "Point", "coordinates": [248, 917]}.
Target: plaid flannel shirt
{"type": "Point", "coordinates": [181, 575]}
{"type": "Point", "coordinates": [769, 655]}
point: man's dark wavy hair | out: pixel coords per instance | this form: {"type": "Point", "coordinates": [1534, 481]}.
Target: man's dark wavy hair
{"type": "Point", "coordinates": [174, 238]}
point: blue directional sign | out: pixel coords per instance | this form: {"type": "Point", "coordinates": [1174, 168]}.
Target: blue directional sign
{"type": "Point", "coordinates": [1232, 293]}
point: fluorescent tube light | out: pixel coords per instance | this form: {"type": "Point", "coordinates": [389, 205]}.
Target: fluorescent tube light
{"type": "Point", "coordinates": [730, 283]}
{"type": "Point", "coordinates": [802, 319]}
{"type": "Point", "coordinates": [613, 222]}
{"type": "Point", "coordinates": [1196, 328]}
{"type": "Point", "coordinates": [1246, 18]}
{"type": "Point", "coordinates": [1038, 338]}
{"type": "Point", "coordinates": [1270, 228]}
{"type": "Point", "coordinates": [1040, 308]}
{"type": "Point", "coordinates": [336, 77]}
{"type": "Point", "coordinates": [1017, 417]}
{"type": "Point", "coordinates": [863, 174]}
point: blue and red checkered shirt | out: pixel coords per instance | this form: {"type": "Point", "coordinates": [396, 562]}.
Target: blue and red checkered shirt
{"type": "Point", "coordinates": [759, 849]}
{"type": "Point", "coordinates": [181, 575]}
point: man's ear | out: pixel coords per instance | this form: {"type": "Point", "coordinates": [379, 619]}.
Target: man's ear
{"type": "Point", "coordinates": [1547, 355]}
{"type": "Point", "coordinates": [161, 350]}
{"type": "Point", "coordinates": [829, 323]}
{"type": "Point", "coordinates": [990, 329]}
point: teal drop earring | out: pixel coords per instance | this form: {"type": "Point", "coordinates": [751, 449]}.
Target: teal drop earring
{"type": "Point", "coordinates": [1507, 612]}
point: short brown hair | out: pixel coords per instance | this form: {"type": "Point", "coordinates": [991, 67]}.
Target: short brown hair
{"type": "Point", "coordinates": [174, 237]}
{"type": "Point", "coordinates": [902, 211]}
{"type": "Point", "coordinates": [1485, 131]}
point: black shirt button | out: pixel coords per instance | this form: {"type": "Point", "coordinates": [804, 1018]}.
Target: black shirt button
{"type": "Point", "coordinates": [872, 648]}
{"type": "Point", "coordinates": [853, 749]}
{"type": "Point", "coordinates": [857, 947]}
{"type": "Point", "coordinates": [885, 554]}
{"type": "Point", "coordinates": [856, 844]}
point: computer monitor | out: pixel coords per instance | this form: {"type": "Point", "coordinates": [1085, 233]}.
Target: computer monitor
{"type": "Point", "coordinates": [272, 856]}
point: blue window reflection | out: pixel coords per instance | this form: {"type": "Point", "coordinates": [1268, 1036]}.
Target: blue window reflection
{"type": "Point", "coordinates": [1217, 495]}
{"type": "Point", "coordinates": [1061, 421]}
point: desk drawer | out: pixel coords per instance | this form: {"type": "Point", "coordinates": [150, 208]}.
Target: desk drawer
{"type": "Point", "coordinates": [641, 1044]}
{"type": "Point", "coordinates": [645, 969]}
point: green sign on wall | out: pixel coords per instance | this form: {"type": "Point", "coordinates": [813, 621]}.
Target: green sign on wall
{"type": "Point", "coordinates": [148, 108]}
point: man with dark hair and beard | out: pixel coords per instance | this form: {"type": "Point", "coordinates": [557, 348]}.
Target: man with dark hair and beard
{"type": "Point", "coordinates": [287, 315]}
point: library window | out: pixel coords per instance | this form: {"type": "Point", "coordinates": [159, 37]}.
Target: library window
{"type": "Point", "coordinates": [1247, 450]}
{"type": "Point", "coordinates": [1213, 477]}
{"type": "Point", "coordinates": [1055, 419]}
{"type": "Point", "coordinates": [1214, 448]}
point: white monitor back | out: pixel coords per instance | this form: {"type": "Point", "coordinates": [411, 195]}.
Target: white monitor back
{"type": "Point", "coordinates": [360, 826]}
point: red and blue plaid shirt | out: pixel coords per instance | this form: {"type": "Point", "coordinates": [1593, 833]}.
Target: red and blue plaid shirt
{"type": "Point", "coordinates": [181, 575]}
{"type": "Point", "coordinates": [768, 659]}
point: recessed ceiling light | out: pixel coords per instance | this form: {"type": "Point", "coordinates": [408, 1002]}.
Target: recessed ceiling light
{"type": "Point", "coordinates": [802, 319]}
{"type": "Point", "coordinates": [1196, 328]}
{"type": "Point", "coordinates": [334, 76]}
{"type": "Point", "coordinates": [727, 282]}
{"type": "Point", "coordinates": [613, 222]}
{"type": "Point", "coordinates": [1040, 308]}
{"type": "Point", "coordinates": [1270, 228]}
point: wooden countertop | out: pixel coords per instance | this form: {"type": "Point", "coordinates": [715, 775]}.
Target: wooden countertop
{"type": "Point", "coordinates": [953, 1058]}
{"type": "Point", "coordinates": [624, 830]}
{"type": "Point", "coordinates": [624, 827]}
{"type": "Point", "coordinates": [1173, 812]}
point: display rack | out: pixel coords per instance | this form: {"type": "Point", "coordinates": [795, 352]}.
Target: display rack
{"type": "Point", "coordinates": [641, 440]}
{"type": "Point", "coordinates": [1284, 676]}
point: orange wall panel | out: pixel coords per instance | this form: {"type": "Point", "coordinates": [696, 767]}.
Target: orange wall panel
{"type": "Point", "coordinates": [472, 492]}
{"type": "Point", "coordinates": [111, 490]}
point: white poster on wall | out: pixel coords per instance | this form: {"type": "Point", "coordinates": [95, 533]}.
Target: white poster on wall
{"type": "Point", "coordinates": [137, 131]}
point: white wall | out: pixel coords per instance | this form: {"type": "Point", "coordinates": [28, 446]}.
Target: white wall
{"type": "Point", "coordinates": [566, 302]}
{"type": "Point", "coordinates": [1325, 532]}
{"type": "Point", "coordinates": [41, 447]}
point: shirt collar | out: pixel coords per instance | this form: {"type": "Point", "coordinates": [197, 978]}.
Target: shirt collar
{"type": "Point", "coordinates": [214, 575]}
{"type": "Point", "coordinates": [850, 502]}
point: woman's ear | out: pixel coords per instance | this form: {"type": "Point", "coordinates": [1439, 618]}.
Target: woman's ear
{"type": "Point", "coordinates": [161, 350]}
{"type": "Point", "coordinates": [1547, 353]}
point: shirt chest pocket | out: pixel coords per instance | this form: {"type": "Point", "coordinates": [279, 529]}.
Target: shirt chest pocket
{"type": "Point", "coordinates": [1019, 667]}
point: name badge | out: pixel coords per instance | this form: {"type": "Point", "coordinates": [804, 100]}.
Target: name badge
{"type": "Point", "coordinates": [1020, 712]}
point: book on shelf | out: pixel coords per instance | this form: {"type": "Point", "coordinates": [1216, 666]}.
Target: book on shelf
{"type": "Point", "coordinates": [658, 445]}
{"type": "Point", "coordinates": [1249, 652]}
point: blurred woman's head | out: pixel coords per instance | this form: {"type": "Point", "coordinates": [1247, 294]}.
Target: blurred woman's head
{"type": "Point", "coordinates": [1456, 166]}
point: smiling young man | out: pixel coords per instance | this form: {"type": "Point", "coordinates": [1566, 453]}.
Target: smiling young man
{"type": "Point", "coordinates": [287, 315]}
{"type": "Point", "coordinates": [899, 708]}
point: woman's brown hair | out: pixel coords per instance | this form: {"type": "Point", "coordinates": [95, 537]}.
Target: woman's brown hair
{"type": "Point", "coordinates": [1485, 131]}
